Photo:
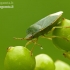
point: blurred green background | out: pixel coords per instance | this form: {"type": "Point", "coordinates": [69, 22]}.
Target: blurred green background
{"type": "Point", "coordinates": [15, 21]}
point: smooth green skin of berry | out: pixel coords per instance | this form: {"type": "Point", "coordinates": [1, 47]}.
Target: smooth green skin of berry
{"type": "Point", "coordinates": [61, 43]}
{"type": "Point", "coordinates": [19, 58]}
{"type": "Point", "coordinates": [44, 62]}
{"type": "Point", "coordinates": [60, 65]}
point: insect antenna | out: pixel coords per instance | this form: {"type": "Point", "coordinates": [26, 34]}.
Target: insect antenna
{"type": "Point", "coordinates": [18, 38]}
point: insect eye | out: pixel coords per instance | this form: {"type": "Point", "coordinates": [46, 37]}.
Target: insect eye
{"type": "Point", "coordinates": [31, 36]}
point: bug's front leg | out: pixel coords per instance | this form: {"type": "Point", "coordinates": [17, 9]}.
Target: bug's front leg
{"type": "Point", "coordinates": [28, 43]}
{"type": "Point", "coordinates": [35, 42]}
{"type": "Point", "coordinates": [32, 50]}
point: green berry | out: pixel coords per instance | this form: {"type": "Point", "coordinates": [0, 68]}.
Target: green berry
{"type": "Point", "coordinates": [60, 65]}
{"type": "Point", "coordinates": [62, 39]}
{"type": "Point", "coordinates": [19, 58]}
{"type": "Point", "coordinates": [44, 62]}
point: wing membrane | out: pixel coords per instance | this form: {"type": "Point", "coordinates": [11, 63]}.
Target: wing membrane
{"type": "Point", "coordinates": [44, 23]}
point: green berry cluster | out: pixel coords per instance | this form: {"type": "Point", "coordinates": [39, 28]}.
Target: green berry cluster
{"type": "Point", "coordinates": [19, 58]}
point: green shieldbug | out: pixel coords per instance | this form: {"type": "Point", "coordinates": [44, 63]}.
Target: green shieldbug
{"type": "Point", "coordinates": [42, 27]}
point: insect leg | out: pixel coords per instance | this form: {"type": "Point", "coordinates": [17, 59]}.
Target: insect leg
{"type": "Point", "coordinates": [50, 37]}
{"type": "Point", "coordinates": [35, 42]}
{"type": "Point", "coordinates": [47, 37]}
{"type": "Point", "coordinates": [59, 27]}
{"type": "Point", "coordinates": [32, 50]}
{"type": "Point", "coordinates": [55, 27]}
{"type": "Point", "coordinates": [28, 43]}
{"type": "Point", "coordinates": [39, 45]}
{"type": "Point", "coordinates": [59, 36]}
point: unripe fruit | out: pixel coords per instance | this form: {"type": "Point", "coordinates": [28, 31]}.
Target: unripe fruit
{"type": "Point", "coordinates": [44, 62]}
{"type": "Point", "coordinates": [60, 65]}
{"type": "Point", "coordinates": [19, 58]}
{"type": "Point", "coordinates": [62, 40]}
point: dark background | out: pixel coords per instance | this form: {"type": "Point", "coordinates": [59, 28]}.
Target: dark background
{"type": "Point", "coordinates": [14, 22]}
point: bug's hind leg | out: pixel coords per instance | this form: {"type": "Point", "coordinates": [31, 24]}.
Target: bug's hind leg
{"type": "Point", "coordinates": [59, 27]}
{"type": "Point", "coordinates": [47, 37]}
{"type": "Point", "coordinates": [60, 37]}
{"type": "Point", "coordinates": [50, 37]}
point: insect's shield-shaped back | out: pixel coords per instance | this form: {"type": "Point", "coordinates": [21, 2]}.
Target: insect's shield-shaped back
{"type": "Point", "coordinates": [43, 24]}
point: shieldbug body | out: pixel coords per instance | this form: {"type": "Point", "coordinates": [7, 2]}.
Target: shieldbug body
{"type": "Point", "coordinates": [42, 27]}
